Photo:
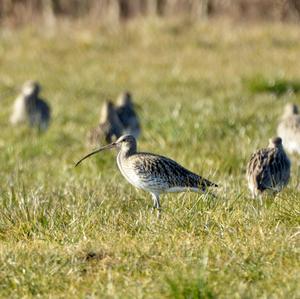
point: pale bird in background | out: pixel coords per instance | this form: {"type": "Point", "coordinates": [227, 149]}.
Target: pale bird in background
{"type": "Point", "coordinates": [127, 115]}
{"type": "Point", "coordinates": [29, 107]}
{"type": "Point", "coordinates": [109, 128]}
{"type": "Point", "coordinates": [289, 129]}
{"type": "Point", "coordinates": [268, 169]}
{"type": "Point", "coordinates": [153, 173]}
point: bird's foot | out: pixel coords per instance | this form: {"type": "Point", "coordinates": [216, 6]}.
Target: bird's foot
{"type": "Point", "coordinates": [159, 213]}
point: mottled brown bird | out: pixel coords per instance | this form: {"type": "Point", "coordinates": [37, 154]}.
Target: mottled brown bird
{"type": "Point", "coordinates": [153, 173]}
{"type": "Point", "coordinates": [109, 128]}
{"type": "Point", "coordinates": [29, 107]}
{"type": "Point", "coordinates": [268, 169]}
{"type": "Point", "coordinates": [289, 129]}
{"type": "Point", "coordinates": [127, 115]}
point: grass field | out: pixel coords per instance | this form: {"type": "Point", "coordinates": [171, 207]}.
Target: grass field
{"type": "Point", "coordinates": [208, 96]}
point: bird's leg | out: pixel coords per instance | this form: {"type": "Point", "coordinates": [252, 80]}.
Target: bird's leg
{"type": "Point", "coordinates": [254, 192]}
{"type": "Point", "coordinates": [260, 199]}
{"type": "Point", "coordinates": [156, 204]}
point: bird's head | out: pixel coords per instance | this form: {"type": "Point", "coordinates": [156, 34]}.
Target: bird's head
{"type": "Point", "coordinates": [290, 109]}
{"type": "Point", "coordinates": [275, 142]}
{"type": "Point", "coordinates": [31, 88]}
{"type": "Point", "coordinates": [125, 143]}
{"type": "Point", "coordinates": [125, 99]}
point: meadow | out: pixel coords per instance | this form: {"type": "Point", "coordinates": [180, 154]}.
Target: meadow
{"type": "Point", "coordinates": [208, 95]}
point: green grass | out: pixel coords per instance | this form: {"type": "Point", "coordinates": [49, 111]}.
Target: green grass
{"type": "Point", "coordinates": [87, 233]}
{"type": "Point", "coordinates": [277, 86]}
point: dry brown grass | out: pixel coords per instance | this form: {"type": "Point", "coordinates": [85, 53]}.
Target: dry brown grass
{"type": "Point", "coordinates": [16, 12]}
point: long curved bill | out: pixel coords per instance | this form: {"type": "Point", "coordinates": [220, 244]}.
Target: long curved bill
{"type": "Point", "coordinates": [109, 146]}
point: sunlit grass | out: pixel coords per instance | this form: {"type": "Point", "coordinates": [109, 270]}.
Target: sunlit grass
{"type": "Point", "coordinates": [85, 232]}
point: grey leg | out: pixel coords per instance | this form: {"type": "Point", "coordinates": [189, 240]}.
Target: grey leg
{"type": "Point", "coordinates": [158, 207]}
{"type": "Point", "coordinates": [260, 199]}
{"type": "Point", "coordinates": [154, 200]}
{"type": "Point", "coordinates": [156, 204]}
{"type": "Point", "coordinates": [254, 193]}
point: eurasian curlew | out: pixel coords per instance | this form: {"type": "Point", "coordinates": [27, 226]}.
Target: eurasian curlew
{"type": "Point", "coordinates": [289, 129]}
{"type": "Point", "coordinates": [152, 173]}
{"type": "Point", "coordinates": [268, 169]}
{"type": "Point", "coordinates": [109, 128]}
{"type": "Point", "coordinates": [28, 107]}
{"type": "Point", "coordinates": [127, 115]}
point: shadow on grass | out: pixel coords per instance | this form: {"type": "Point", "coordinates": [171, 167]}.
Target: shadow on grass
{"type": "Point", "coordinates": [276, 86]}
{"type": "Point", "coordinates": [181, 287]}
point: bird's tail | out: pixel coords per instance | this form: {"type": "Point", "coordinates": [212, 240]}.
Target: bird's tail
{"type": "Point", "coordinates": [206, 183]}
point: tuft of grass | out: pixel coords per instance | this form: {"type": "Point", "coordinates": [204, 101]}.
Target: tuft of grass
{"type": "Point", "coordinates": [189, 287]}
{"type": "Point", "coordinates": [277, 86]}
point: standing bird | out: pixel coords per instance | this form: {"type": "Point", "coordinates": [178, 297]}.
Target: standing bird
{"type": "Point", "coordinates": [153, 173]}
{"type": "Point", "coordinates": [268, 169]}
{"type": "Point", "coordinates": [109, 128]}
{"type": "Point", "coordinates": [127, 115]}
{"type": "Point", "coordinates": [28, 107]}
{"type": "Point", "coordinates": [289, 128]}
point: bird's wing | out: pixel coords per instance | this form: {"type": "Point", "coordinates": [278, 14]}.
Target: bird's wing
{"type": "Point", "coordinates": [266, 168]}
{"type": "Point", "coordinates": [258, 169]}
{"type": "Point", "coordinates": [279, 167]}
{"type": "Point", "coordinates": [170, 172]}
{"type": "Point", "coordinates": [127, 116]}
{"type": "Point", "coordinates": [44, 108]}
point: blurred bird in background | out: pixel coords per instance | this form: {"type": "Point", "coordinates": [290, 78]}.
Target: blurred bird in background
{"type": "Point", "coordinates": [289, 128]}
{"type": "Point", "coordinates": [127, 115]}
{"type": "Point", "coordinates": [30, 108]}
{"type": "Point", "coordinates": [109, 129]}
{"type": "Point", "coordinates": [268, 169]}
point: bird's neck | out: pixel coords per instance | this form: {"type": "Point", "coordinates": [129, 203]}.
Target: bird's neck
{"type": "Point", "coordinates": [109, 116]}
{"type": "Point", "coordinates": [30, 100]}
{"type": "Point", "coordinates": [127, 152]}
{"type": "Point", "coordinates": [104, 116]}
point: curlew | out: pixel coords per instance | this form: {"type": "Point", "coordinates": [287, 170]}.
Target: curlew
{"type": "Point", "coordinates": [127, 115]}
{"type": "Point", "coordinates": [268, 169]}
{"type": "Point", "coordinates": [152, 173]}
{"type": "Point", "coordinates": [109, 128]}
{"type": "Point", "coordinates": [289, 129]}
{"type": "Point", "coordinates": [29, 107]}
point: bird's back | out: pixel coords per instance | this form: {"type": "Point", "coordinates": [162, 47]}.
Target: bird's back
{"type": "Point", "coordinates": [44, 109]}
{"type": "Point", "coordinates": [40, 114]}
{"type": "Point", "coordinates": [268, 168]}
{"type": "Point", "coordinates": [125, 113]}
{"type": "Point", "coordinates": [129, 119]}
